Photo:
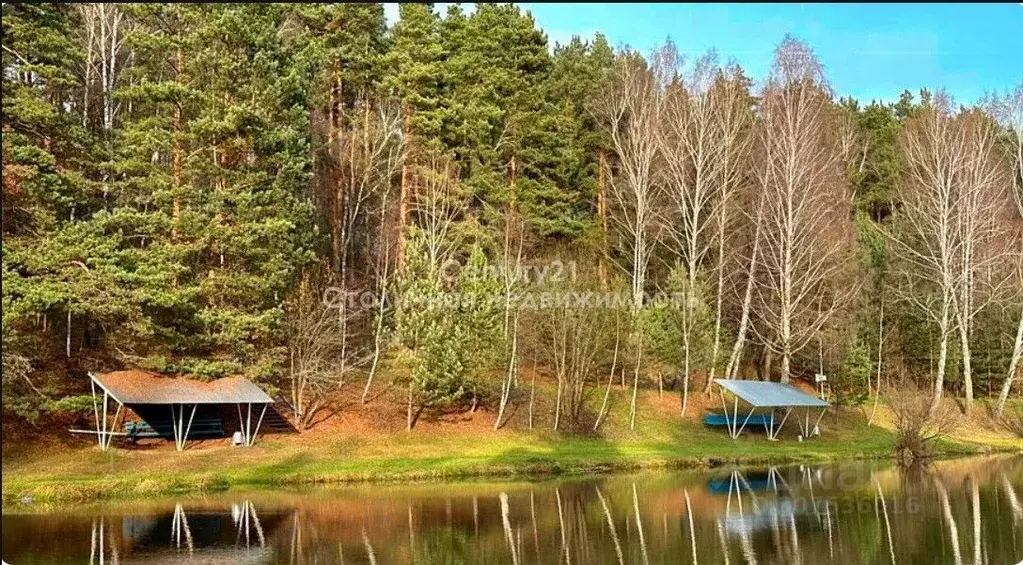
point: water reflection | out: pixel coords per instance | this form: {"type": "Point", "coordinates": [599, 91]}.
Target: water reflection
{"type": "Point", "coordinates": [957, 512]}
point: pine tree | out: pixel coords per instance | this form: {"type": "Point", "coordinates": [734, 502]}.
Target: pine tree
{"type": "Point", "coordinates": [215, 162]}
{"type": "Point", "coordinates": [416, 57]}
{"type": "Point", "coordinates": [578, 70]}
{"type": "Point", "coordinates": [342, 49]}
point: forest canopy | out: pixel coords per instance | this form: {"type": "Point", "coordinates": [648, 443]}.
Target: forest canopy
{"type": "Point", "coordinates": [296, 192]}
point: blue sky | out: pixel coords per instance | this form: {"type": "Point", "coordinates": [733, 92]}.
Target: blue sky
{"type": "Point", "coordinates": [869, 51]}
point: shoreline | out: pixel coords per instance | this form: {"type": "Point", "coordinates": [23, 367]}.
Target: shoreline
{"type": "Point", "coordinates": [365, 445]}
{"type": "Point", "coordinates": [35, 489]}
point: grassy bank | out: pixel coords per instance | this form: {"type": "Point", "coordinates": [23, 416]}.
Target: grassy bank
{"type": "Point", "coordinates": [360, 445]}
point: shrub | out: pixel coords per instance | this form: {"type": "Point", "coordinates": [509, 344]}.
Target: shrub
{"type": "Point", "coordinates": [916, 426]}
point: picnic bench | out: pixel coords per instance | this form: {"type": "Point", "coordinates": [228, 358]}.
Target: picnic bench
{"type": "Point", "coordinates": [722, 421]}
{"type": "Point", "coordinates": [201, 427]}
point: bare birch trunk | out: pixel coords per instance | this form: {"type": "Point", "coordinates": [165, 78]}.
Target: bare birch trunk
{"type": "Point", "coordinates": [381, 294]}
{"type": "Point", "coordinates": [808, 233]}
{"type": "Point", "coordinates": [410, 405]}
{"type": "Point", "coordinates": [532, 395]}
{"type": "Point", "coordinates": [635, 384]}
{"type": "Point", "coordinates": [610, 377]}
{"type": "Point", "coordinates": [509, 380]}
{"type": "Point", "coordinates": [939, 379]}
{"type": "Point", "coordinates": [732, 369]}
{"type": "Point", "coordinates": [1014, 368]}
{"type": "Point", "coordinates": [557, 404]}
{"type": "Point", "coordinates": [719, 301]}
{"type": "Point", "coordinates": [880, 345]}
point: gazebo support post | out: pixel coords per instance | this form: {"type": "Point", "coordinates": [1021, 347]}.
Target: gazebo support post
{"type": "Point", "coordinates": [773, 434]}
{"type": "Point", "coordinates": [241, 421]}
{"type": "Point", "coordinates": [104, 426]}
{"type": "Point", "coordinates": [174, 425]}
{"type": "Point", "coordinates": [188, 428]}
{"type": "Point", "coordinates": [252, 440]}
{"type": "Point", "coordinates": [743, 427]}
{"type": "Point", "coordinates": [103, 432]}
{"type": "Point", "coordinates": [179, 427]}
{"type": "Point", "coordinates": [95, 411]}
{"type": "Point", "coordinates": [109, 435]}
{"type": "Point", "coordinates": [724, 406]}
{"type": "Point", "coordinates": [819, 418]}
{"type": "Point", "coordinates": [735, 416]}
{"type": "Point", "coordinates": [245, 422]}
{"type": "Point", "coordinates": [804, 424]}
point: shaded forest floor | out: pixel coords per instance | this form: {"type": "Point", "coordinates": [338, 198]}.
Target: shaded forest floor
{"type": "Point", "coordinates": [369, 443]}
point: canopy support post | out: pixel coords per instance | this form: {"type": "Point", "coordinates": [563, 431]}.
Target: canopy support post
{"type": "Point", "coordinates": [245, 421]}
{"type": "Point", "coordinates": [188, 428]}
{"type": "Point", "coordinates": [743, 427]}
{"type": "Point", "coordinates": [258, 423]}
{"type": "Point", "coordinates": [103, 432]}
{"type": "Point", "coordinates": [109, 435]}
{"type": "Point", "coordinates": [95, 411]}
{"type": "Point", "coordinates": [241, 421]}
{"type": "Point", "coordinates": [819, 418]}
{"type": "Point", "coordinates": [174, 425]}
{"type": "Point", "coordinates": [724, 406]}
{"type": "Point", "coordinates": [775, 431]}
{"type": "Point", "coordinates": [735, 416]}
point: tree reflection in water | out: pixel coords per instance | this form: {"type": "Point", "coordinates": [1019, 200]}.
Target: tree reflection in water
{"type": "Point", "coordinates": [955, 512]}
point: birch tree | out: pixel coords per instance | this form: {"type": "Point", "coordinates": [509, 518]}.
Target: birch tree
{"type": "Point", "coordinates": [807, 227]}
{"type": "Point", "coordinates": [576, 342]}
{"type": "Point", "coordinates": [366, 159]}
{"type": "Point", "coordinates": [1007, 109]}
{"type": "Point", "coordinates": [319, 351]}
{"type": "Point", "coordinates": [702, 140]}
{"type": "Point", "coordinates": [106, 29]}
{"type": "Point", "coordinates": [691, 147]}
{"type": "Point", "coordinates": [630, 106]}
{"type": "Point", "coordinates": [926, 237]}
{"type": "Point", "coordinates": [734, 118]}
{"type": "Point", "coordinates": [750, 274]}
{"type": "Point", "coordinates": [511, 275]}
{"type": "Point", "coordinates": [438, 204]}
{"type": "Point", "coordinates": [980, 204]}
{"type": "Point", "coordinates": [1016, 356]}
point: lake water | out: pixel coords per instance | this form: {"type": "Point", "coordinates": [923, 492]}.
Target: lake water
{"type": "Point", "coordinates": [967, 511]}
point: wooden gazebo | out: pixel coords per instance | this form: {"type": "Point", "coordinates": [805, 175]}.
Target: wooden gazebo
{"type": "Point", "coordinates": [151, 396]}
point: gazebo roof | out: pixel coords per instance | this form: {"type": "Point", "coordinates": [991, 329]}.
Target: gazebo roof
{"type": "Point", "coordinates": [141, 387]}
{"type": "Point", "coordinates": [764, 394]}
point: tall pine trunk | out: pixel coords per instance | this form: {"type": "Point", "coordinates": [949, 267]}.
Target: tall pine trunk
{"type": "Point", "coordinates": [406, 179]}
{"type": "Point", "coordinates": [602, 214]}
{"type": "Point", "coordinates": [176, 152]}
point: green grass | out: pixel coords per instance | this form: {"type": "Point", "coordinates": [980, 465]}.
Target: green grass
{"type": "Point", "coordinates": [82, 474]}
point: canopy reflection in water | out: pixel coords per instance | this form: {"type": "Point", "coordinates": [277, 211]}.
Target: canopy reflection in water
{"type": "Point", "coordinates": [958, 512]}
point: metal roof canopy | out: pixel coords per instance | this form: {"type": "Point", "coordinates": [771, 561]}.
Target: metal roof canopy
{"type": "Point", "coordinates": [139, 387]}
{"type": "Point", "coordinates": [764, 394]}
